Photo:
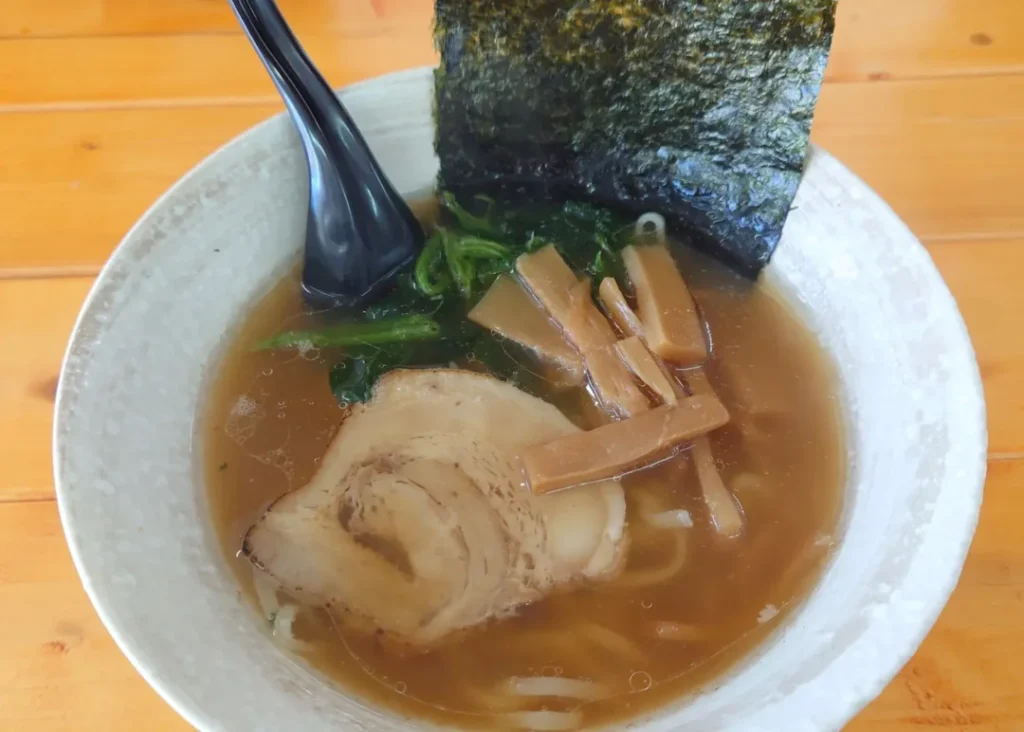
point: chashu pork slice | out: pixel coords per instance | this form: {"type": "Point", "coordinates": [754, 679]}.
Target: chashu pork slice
{"type": "Point", "coordinates": [419, 521]}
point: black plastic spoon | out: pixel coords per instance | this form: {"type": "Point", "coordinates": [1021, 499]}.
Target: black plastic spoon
{"type": "Point", "coordinates": [359, 231]}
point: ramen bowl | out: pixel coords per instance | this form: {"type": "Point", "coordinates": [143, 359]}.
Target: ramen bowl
{"type": "Point", "coordinates": [142, 355]}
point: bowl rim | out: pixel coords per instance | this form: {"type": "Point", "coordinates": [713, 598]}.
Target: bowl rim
{"type": "Point", "coordinates": [941, 583]}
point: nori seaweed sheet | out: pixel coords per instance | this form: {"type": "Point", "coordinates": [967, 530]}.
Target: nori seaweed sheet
{"type": "Point", "coordinates": [698, 109]}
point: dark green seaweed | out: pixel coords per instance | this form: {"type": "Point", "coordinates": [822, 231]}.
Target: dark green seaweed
{"type": "Point", "coordinates": [697, 109]}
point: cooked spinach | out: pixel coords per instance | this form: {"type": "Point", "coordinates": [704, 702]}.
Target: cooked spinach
{"type": "Point", "coordinates": [395, 330]}
{"type": "Point", "coordinates": [421, 322]}
{"type": "Point", "coordinates": [431, 274]}
{"type": "Point", "coordinates": [469, 222]}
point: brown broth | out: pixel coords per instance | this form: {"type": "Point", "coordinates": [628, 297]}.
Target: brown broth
{"type": "Point", "coordinates": [270, 417]}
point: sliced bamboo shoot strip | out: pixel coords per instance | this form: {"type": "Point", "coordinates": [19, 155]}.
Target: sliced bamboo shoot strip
{"type": "Point", "coordinates": [619, 447]}
{"type": "Point", "coordinates": [569, 303]}
{"type": "Point", "coordinates": [667, 311]}
{"type": "Point", "coordinates": [551, 281]}
{"type": "Point", "coordinates": [508, 310]}
{"type": "Point", "coordinates": [618, 308]}
{"type": "Point", "coordinates": [627, 321]}
{"type": "Point", "coordinates": [649, 370]}
{"type": "Point", "coordinates": [725, 514]}
{"type": "Point", "coordinates": [614, 385]}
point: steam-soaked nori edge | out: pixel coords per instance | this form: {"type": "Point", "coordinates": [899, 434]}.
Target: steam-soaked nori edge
{"type": "Point", "coordinates": [698, 109]}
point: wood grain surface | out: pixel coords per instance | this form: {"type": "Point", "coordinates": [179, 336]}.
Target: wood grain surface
{"type": "Point", "coordinates": [105, 103]}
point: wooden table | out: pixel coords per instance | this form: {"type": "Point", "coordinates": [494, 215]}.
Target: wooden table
{"type": "Point", "coordinates": [104, 103]}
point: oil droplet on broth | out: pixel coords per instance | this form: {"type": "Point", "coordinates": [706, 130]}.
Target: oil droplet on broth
{"type": "Point", "coordinates": [640, 681]}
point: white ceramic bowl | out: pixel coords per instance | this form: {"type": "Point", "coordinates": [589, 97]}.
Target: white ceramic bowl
{"type": "Point", "coordinates": [150, 335]}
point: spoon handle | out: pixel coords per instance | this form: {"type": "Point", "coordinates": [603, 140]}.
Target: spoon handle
{"type": "Point", "coordinates": [306, 93]}
{"type": "Point", "coordinates": [351, 199]}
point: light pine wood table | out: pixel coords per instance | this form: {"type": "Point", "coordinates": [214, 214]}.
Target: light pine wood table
{"type": "Point", "coordinates": [105, 103]}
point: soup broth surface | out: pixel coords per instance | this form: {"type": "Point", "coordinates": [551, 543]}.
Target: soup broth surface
{"type": "Point", "coordinates": [646, 639]}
